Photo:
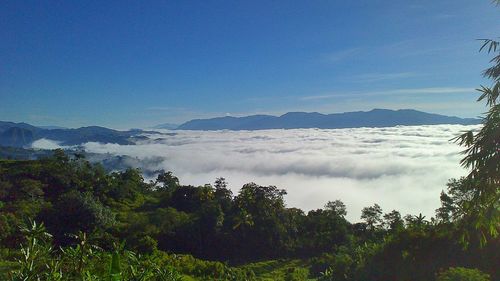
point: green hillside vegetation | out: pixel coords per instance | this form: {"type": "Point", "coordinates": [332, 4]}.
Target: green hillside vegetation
{"type": "Point", "coordinates": [91, 217]}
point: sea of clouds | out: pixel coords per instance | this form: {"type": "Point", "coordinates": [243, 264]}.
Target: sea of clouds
{"type": "Point", "coordinates": [403, 168]}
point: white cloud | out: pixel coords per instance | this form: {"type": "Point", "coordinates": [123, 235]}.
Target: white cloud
{"type": "Point", "coordinates": [46, 144]}
{"type": "Point", "coordinates": [402, 168]}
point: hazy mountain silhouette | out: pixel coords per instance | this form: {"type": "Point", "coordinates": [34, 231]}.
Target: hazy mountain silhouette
{"type": "Point", "coordinates": [297, 120]}
{"type": "Point", "coordinates": [168, 126]}
{"type": "Point", "coordinates": [22, 134]}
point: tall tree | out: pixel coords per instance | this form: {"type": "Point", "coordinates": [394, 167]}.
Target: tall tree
{"type": "Point", "coordinates": [393, 221]}
{"type": "Point", "coordinates": [372, 216]}
{"type": "Point", "coordinates": [482, 156]}
{"type": "Point", "coordinates": [337, 207]}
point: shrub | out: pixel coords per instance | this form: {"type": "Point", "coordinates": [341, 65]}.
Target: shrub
{"type": "Point", "coordinates": [462, 274]}
{"type": "Point", "coordinates": [296, 274]}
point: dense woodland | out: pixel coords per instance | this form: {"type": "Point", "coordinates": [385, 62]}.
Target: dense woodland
{"type": "Point", "coordinates": [63, 218]}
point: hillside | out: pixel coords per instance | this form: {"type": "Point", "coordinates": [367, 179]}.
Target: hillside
{"type": "Point", "coordinates": [22, 134]}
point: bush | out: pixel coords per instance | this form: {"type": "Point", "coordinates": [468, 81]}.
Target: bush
{"type": "Point", "coordinates": [75, 211]}
{"type": "Point", "coordinates": [462, 274]}
{"type": "Point", "coordinates": [296, 274]}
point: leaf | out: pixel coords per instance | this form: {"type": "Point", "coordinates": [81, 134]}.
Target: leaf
{"type": "Point", "coordinates": [115, 270]}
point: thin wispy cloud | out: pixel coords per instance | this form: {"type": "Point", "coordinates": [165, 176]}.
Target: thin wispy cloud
{"type": "Point", "coordinates": [409, 48]}
{"type": "Point", "coordinates": [444, 16]}
{"type": "Point", "coordinates": [165, 108]}
{"type": "Point", "coordinates": [391, 50]}
{"type": "Point", "coordinates": [412, 91]}
{"type": "Point", "coordinates": [341, 55]}
{"type": "Point", "coordinates": [435, 90]}
{"type": "Point", "coordinates": [375, 77]}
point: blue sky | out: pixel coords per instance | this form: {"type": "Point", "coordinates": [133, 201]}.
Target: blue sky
{"type": "Point", "coordinates": [129, 64]}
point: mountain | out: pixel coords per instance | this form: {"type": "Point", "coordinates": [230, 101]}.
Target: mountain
{"type": "Point", "coordinates": [299, 120]}
{"type": "Point", "coordinates": [168, 126]}
{"type": "Point", "coordinates": [17, 137]}
{"type": "Point", "coordinates": [7, 125]}
{"type": "Point", "coordinates": [19, 153]}
{"type": "Point", "coordinates": [22, 134]}
{"type": "Point", "coordinates": [86, 134]}
{"type": "Point", "coordinates": [50, 127]}
{"type": "Point", "coordinates": [231, 123]}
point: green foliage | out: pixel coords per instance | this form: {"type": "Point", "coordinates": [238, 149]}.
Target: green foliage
{"type": "Point", "coordinates": [35, 256]}
{"type": "Point", "coordinates": [372, 216]}
{"type": "Point", "coordinates": [462, 274]}
{"type": "Point", "coordinates": [339, 266]}
{"type": "Point", "coordinates": [166, 181]}
{"type": "Point", "coordinates": [70, 195]}
{"type": "Point", "coordinates": [282, 270]}
{"type": "Point", "coordinates": [337, 207]}
{"type": "Point", "coordinates": [115, 271]}
{"type": "Point", "coordinates": [297, 274]}
{"type": "Point", "coordinates": [482, 158]}
{"type": "Point", "coordinates": [393, 221]}
{"type": "Point", "coordinates": [80, 211]}
{"type": "Point", "coordinates": [38, 261]}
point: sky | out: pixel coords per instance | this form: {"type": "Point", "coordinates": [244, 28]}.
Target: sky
{"type": "Point", "coordinates": [124, 64]}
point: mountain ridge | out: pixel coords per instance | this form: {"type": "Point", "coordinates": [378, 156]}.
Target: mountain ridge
{"type": "Point", "coordinates": [304, 120]}
{"type": "Point", "coordinates": [168, 126]}
{"type": "Point", "coordinates": [22, 134]}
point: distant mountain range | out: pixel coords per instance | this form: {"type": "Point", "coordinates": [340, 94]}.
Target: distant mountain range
{"type": "Point", "coordinates": [299, 120]}
{"type": "Point", "coordinates": [22, 134]}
